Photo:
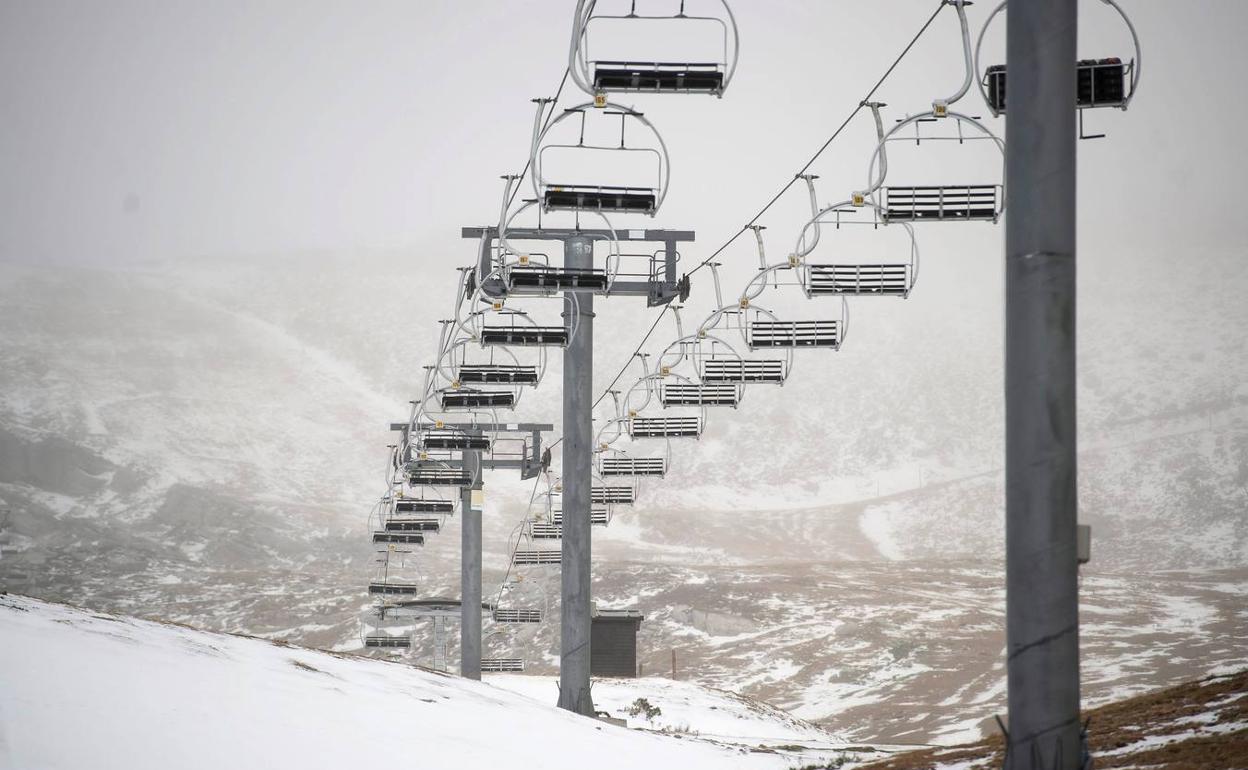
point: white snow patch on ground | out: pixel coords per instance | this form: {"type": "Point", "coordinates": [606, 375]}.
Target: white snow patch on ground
{"type": "Point", "coordinates": [876, 523]}
{"type": "Point", "coordinates": [141, 695]}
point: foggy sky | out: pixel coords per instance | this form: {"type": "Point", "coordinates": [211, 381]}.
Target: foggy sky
{"type": "Point", "coordinates": [154, 130]}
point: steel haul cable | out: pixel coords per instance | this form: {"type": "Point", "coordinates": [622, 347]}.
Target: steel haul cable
{"type": "Point", "coordinates": [615, 380]}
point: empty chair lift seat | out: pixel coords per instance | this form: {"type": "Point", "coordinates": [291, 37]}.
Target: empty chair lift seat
{"type": "Point", "coordinates": [682, 394]}
{"type": "Point", "coordinates": [453, 439]}
{"type": "Point", "coordinates": [634, 466]}
{"type": "Point", "coordinates": [438, 476]}
{"type": "Point", "coordinates": [794, 334]}
{"type": "Point", "coordinates": [517, 616]}
{"type": "Point", "coordinates": [888, 280]}
{"type": "Point", "coordinates": [540, 530]}
{"type": "Point", "coordinates": [389, 642]}
{"type": "Point", "coordinates": [393, 589]}
{"type": "Point", "coordinates": [398, 538]}
{"type": "Point", "coordinates": [524, 335]}
{"type": "Point", "coordinates": [406, 505]}
{"type": "Point", "coordinates": [525, 556]}
{"type": "Point", "coordinates": [598, 514]}
{"type": "Point", "coordinates": [487, 374]}
{"type": "Point", "coordinates": [413, 525]}
{"type": "Point", "coordinates": [639, 200]}
{"type": "Point", "coordinates": [740, 370]}
{"type": "Point", "coordinates": [666, 77]}
{"type": "Point", "coordinates": [607, 495]}
{"type": "Point", "coordinates": [502, 664]}
{"type": "Point", "coordinates": [665, 427]}
{"type": "Point", "coordinates": [1099, 83]}
{"type": "Point", "coordinates": [556, 279]}
{"type": "Point", "coordinates": [475, 399]}
{"type": "Point", "coordinates": [939, 203]}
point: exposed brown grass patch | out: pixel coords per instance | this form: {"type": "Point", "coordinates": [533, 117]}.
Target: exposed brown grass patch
{"type": "Point", "coordinates": [1127, 722]}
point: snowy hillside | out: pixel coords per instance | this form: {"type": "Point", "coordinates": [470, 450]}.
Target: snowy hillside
{"type": "Point", "coordinates": [90, 690]}
{"type": "Point", "coordinates": [200, 441]}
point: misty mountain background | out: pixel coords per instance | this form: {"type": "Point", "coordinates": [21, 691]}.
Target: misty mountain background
{"type": "Point", "coordinates": [223, 261]}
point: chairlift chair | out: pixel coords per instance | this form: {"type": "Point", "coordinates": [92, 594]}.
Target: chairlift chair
{"type": "Point", "coordinates": [942, 202]}
{"type": "Point", "coordinates": [401, 537]}
{"type": "Point", "coordinates": [524, 335]}
{"type": "Point", "coordinates": [603, 197]}
{"type": "Point", "coordinates": [763, 329]}
{"type": "Point", "coordinates": [464, 365]}
{"type": "Point", "coordinates": [619, 464]}
{"type": "Point", "coordinates": [528, 608]}
{"type": "Point", "coordinates": [853, 277]}
{"type": "Point", "coordinates": [496, 665]}
{"type": "Point", "coordinates": [735, 370]}
{"type": "Point", "coordinates": [520, 330]}
{"type": "Point", "coordinates": [471, 398]}
{"type": "Point", "coordinates": [540, 530]}
{"type": "Point", "coordinates": [665, 427]}
{"type": "Point", "coordinates": [514, 615]}
{"type": "Point", "coordinates": [610, 494]}
{"type": "Point", "coordinates": [436, 474]}
{"type": "Point", "coordinates": [699, 394]}
{"type": "Point", "coordinates": [389, 588]}
{"type": "Point", "coordinates": [384, 641]}
{"type": "Point", "coordinates": [947, 201]}
{"type": "Point", "coordinates": [411, 505]}
{"type": "Point", "coordinates": [599, 515]}
{"type": "Point", "coordinates": [597, 77]}
{"type": "Point", "coordinates": [599, 507]}
{"type": "Point", "coordinates": [497, 374]}
{"type": "Point", "coordinates": [452, 439]}
{"type": "Point", "coordinates": [548, 280]}
{"type": "Point", "coordinates": [1104, 82]}
{"type": "Point", "coordinates": [772, 333]}
{"type": "Point", "coordinates": [420, 524]}
{"type": "Point", "coordinates": [536, 556]}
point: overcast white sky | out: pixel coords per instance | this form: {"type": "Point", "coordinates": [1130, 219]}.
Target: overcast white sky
{"type": "Point", "coordinates": [158, 129]}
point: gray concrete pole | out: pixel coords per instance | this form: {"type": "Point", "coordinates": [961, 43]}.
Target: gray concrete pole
{"type": "Point", "coordinates": [1042, 613]}
{"type": "Point", "coordinates": [578, 399]}
{"type": "Point", "coordinates": [470, 574]}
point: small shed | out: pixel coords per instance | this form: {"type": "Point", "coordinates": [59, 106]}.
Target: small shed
{"type": "Point", "coordinates": [613, 643]}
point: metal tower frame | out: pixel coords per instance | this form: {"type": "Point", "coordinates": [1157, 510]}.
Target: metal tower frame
{"type": "Point", "coordinates": [470, 529]}
{"type": "Point", "coordinates": [578, 404]}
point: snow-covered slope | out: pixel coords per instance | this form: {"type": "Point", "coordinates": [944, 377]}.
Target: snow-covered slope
{"type": "Point", "coordinates": [685, 705]}
{"type": "Point", "coordinates": [102, 691]}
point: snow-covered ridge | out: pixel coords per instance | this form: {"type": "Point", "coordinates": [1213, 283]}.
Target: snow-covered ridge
{"type": "Point", "coordinates": [83, 689]}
